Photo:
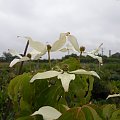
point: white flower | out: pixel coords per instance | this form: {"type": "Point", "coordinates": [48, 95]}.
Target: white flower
{"type": "Point", "coordinates": [34, 56]}
{"type": "Point", "coordinates": [67, 48]}
{"type": "Point", "coordinates": [16, 60]}
{"type": "Point", "coordinates": [14, 53]}
{"type": "Point", "coordinates": [74, 42]}
{"type": "Point", "coordinates": [92, 53]}
{"type": "Point", "coordinates": [65, 77]}
{"type": "Point", "coordinates": [84, 72]}
{"type": "Point", "coordinates": [43, 48]}
{"type": "Point", "coordinates": [95, 51]}
{"type": "Point", "coordinates": [96, 57]}
{"type": "Point", "coordinates": [114, 95]}
{"type": "Point", "coordinates": [48, 113]}
{"type": "Point", "coordinates": [45, 75]}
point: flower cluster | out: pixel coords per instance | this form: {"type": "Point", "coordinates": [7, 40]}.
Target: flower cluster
{"type": "Point", "coordinates": [40, 49]}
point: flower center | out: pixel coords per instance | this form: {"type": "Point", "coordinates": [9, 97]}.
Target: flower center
{"type": "Point", "coordinates": [65, 67]}
{"type": "Point", "coordinates": [82, 49]}
{"type": "Point", "coordinates": [49, 47]}
{"type": "Point", "coordinates": [29, 55]}
{"type": "Point", "coordinates": [68, 33]}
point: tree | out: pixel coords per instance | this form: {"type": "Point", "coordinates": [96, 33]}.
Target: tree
{"type": "Point", "coordinates": [8, 57]}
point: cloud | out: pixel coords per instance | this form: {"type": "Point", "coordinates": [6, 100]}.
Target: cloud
{"type": "Point", "coordinates": [92, 22]}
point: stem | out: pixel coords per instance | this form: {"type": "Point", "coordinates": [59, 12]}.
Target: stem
{"type": "Point", "coordinates": [80, 56]}
{"type": "Point", "coordinates": [6, 112]}
{"type": "Point", "coordinates": [25, 51]}
{"type": "Point", "coordinates": [68, 52]}
{"type": "Point", "coordinates": [37, 66]}
{"type": "Point", "coordinates": [30, 62]}
{"type": "Point", "coordinates": [99, 65]}
{"type": "Point", "coordinates": [49, 59]}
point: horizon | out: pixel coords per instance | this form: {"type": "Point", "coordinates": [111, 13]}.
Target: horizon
{"type": "Point", "coordinates": [92, 22]}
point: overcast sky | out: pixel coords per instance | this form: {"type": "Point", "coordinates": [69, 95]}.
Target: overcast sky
{"type": "Point", "coordinates": [92, 22]}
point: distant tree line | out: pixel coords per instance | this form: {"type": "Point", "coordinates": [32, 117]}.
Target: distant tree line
{"type": "Point", "coordinates": [7, 57]}
{"type": "Point", "coordinates": [87, 59]}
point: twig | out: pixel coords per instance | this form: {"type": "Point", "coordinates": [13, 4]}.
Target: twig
{"type": "Point", "coordinates": [49, 59]}
{"type": "Point", "coordinates": [25, 51]}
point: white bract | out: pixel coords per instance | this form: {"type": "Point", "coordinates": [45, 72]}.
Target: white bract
{"type": "Point", "coordinates": [43, 48]}
{"type": "Point", "coordinates": [114, 95]}
{"type": "Point", "coordinates": [74, 42]}
{"type": "Point", "coordinates": [14, 53]}
{"type": "Point", "coordinates": [95, 51]}
{"type": "Point", "coordinates": [84, 72]}
{"type": "Point", "coordinates": [67, 48]}
{"type": "Point", "coordinates": [96, 57]}
{"type": "Point", "coordinates": [48, 113]}
{"type": "Point", "coordinates": [65, 77]}
{"type": "Point", "coordinates": [92, 53]}
{"type": "Point", "coordinates": [34, 56]}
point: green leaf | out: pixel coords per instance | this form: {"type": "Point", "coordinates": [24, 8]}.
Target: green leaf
{"type": "Point", "coordinates": [72, 62]}
{"type": "Point", "coordinates": [80, 90]}
{"type": "Point", "coordinates": [97, 109]}
{"type": "Point", "coordinates": [25, 118]}
{"type": "Point", "coordinates": [52, 95]}
{"type": "Point", "coordinates": [11, 86]}
{"type": "Point", "coordinates": [20, 86]}
{"type": "Point", "coordinates": [80, 113]}
{"type": "Point", "coordinates": [25, 107]}
{"type": "Point", "coordinates": [21, 93]}
{"type": "Point", "coordinates": [108, 110]}
{"type": "Point", "coordinates": [73, 114]}
{"type": "Point", "coordinates": [115, 115]}
{"type": "Point", "coordinates": [91, 81]}
{"type": "Point", "coordinates": [91, 114]}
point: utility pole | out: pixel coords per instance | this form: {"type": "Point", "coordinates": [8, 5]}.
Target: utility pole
{"type": "Point", "coordinates": [109, 53]}
{"type": "Point", "coordinates": [102, 52]}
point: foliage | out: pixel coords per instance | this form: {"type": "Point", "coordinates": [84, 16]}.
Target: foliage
{"type": "Point", "coordinates": [6, 109]}
{"type": "Point", "coordinates": [7, 56]}
{"type": "Point", "coordinates": [85, 98]}
{"type": "Point", "coordinates": [72, 62]}
{"type": "Point", "coordinates": [42, 93]}
{"type": "Point", "coordinates": [92, 112]}
{"type": "Point", "coordinates": [75, 113]}
{"type": "Point", "coordinates": [80, 113]}
{"type": "Point", "coordinates": [80, 91]}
